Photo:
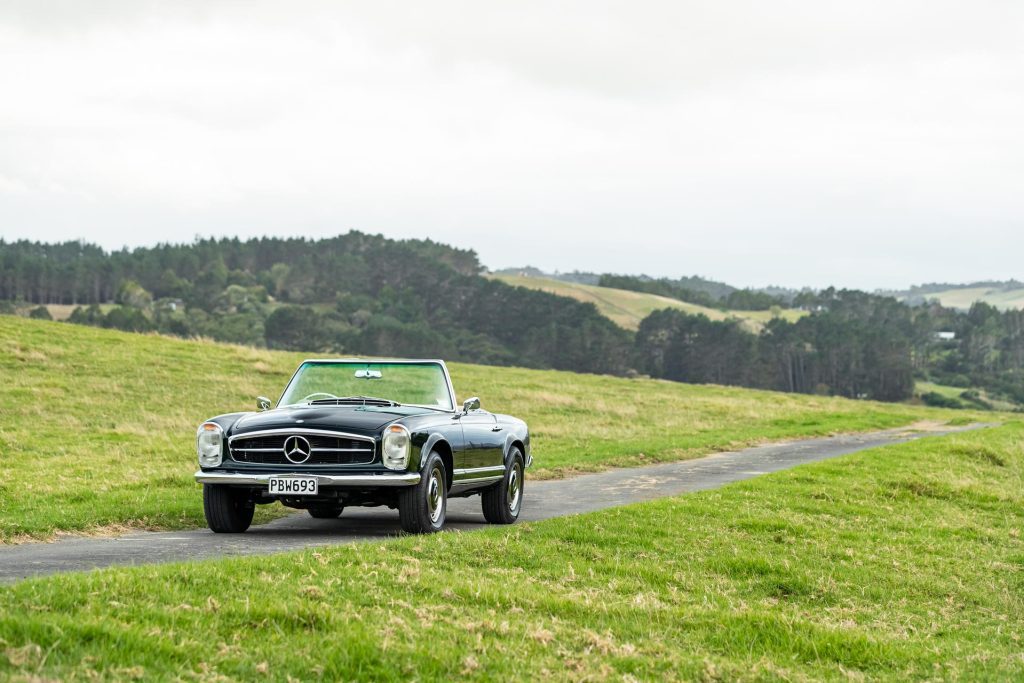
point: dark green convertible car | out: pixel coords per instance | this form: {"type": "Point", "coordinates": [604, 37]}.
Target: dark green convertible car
{"type": "Point", "coordinates": [365, 433]}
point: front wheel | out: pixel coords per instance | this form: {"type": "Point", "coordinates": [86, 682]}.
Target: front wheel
{"type": "Point", "coordinates": [422, 508]}
{"type": "Point", "coordinates": [228, 510]}
{"type": "Point", "coordinates": [501, 502]}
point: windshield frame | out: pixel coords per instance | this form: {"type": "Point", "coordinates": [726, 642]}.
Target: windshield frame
{"type": "Point", "coordinates": [363, 361]}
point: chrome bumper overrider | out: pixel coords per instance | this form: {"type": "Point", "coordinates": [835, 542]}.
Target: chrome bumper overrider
{"type": "Point", "coordinates": [385, 479]}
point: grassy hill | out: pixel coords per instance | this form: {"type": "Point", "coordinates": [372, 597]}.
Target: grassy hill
{"type": "Point", "coordinates": [902, 563]}
{"type": "Point", "coordinates": [97, 426]}
{"type": "Point", "coordinates": [627, 308]}
{"type": "Point", "coordinates": [963, 297]}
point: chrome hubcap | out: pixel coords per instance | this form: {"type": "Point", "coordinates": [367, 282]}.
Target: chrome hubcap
{"type": "Point", "coordinates": [435, 496]}
{"type": "Point", "coordinates": [515, 488]}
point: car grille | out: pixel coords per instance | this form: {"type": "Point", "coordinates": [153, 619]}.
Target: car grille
{"type": "Point", "coordinates": [325, 450]}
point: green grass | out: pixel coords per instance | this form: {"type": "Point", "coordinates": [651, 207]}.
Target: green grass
{"type": "Point", "coordinates": [921, 388]}
{"type": "Point", "coordinates": [963, 297]}
{"type": "Point", "coordinates": [97, 427]}
{"type": "Point", "coordinates": [626, 308]}
{"type": "Point", "coordinates": [940, 389]}
{"type": "Point", "coordinates": [900, 563]}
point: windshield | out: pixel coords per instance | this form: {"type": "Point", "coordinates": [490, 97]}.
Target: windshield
{"type": "Point", "coordinates": [421, 384]}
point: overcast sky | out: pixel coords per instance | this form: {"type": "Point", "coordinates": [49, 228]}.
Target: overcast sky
{"type": "Point", "coordinates": [867, 144]}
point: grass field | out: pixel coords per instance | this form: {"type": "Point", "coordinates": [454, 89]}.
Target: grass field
{"type": "Point", "coordinates": [902, 563]}
{"type": "Point", "coordinates": [963, 298]}
{"type": "Point", "coordinates": [628, 308]}
{"type": "Point", "coordinates": [97, 427]}
{"type": "Point", "coordinates": [921, 388]}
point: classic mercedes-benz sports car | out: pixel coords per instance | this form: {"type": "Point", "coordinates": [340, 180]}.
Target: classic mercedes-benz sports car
{"type": "Point", "coordinates": [355, 432]}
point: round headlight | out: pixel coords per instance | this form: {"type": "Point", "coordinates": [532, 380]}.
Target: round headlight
{"type": "Point", "coordinates": [210, 444]}
{"type": "Point", "coordinates": [396, 446]}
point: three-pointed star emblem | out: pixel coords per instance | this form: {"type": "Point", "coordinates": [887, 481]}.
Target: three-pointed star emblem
{"type": "Point", "coordinates": [297, 449]}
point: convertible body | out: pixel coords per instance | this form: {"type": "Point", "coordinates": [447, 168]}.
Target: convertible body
{"type": "Point", "coordinates": [326, 450]}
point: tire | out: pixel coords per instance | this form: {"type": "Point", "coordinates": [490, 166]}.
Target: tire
{"type": "Point", "coordinates": [501, 503]}
{"type": "Point", "coordinates": [228, 510]}
{"type": "Point", "coordinates": [422, 508]}
{"type": "Point", "coordinates": [324, 512]}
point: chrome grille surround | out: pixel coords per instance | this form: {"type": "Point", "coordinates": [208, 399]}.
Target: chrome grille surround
{"type": "Point", "coordinates": [327, 447]}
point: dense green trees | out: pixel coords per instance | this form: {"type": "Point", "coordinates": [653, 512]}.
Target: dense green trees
{"type": "Point", "coordinates": [355, 293]}
{"type": "Point", "coordinates": [295, 327]}
{"type": "Point", "coordinates": [988, 352]}
{"type": "Point", "coordinates": [695, 290]}
{"type": "Point", "coordinates": [364, 294]}
{"type": "Point", "coordinates": [683, 290]}
{"type": "Point", "coordinates": [854, 344]}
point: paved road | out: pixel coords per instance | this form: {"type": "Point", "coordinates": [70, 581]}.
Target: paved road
{"type": "Point", "coordinates": [543, 499]}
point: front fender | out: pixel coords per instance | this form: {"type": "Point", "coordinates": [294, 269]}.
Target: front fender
{"type": "Point", "coordinates": [421, 446]}
{"type": "Point", "coordinates": [227, 421]}
{"type": "Point", "coordinates": [518, 436]}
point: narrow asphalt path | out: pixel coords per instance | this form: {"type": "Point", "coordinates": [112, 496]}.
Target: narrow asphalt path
{"type": "Point", "coordinates": [542, 500]}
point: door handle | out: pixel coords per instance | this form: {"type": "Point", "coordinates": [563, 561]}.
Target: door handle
{"type": "Point", "coordinates": [496, 429]}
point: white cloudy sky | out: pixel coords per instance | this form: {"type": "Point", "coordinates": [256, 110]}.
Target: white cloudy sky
{"type": "Point", "coordinates": [870, 144]}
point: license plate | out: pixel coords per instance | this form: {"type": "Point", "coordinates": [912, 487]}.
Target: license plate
{"type": "Point", "coordinates": [293, 486]}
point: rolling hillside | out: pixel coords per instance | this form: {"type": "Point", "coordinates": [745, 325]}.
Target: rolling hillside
{"type": "Point", "coordinates": [900, 563]}
{"type": "Point", "coordinates": [962, 298]}
{"type": "Point", "coordinates": [894, 564]}
{"type": "Point", "coordinates": [628, 308]}
{"type": "Point", "coordinates": [100, 424]}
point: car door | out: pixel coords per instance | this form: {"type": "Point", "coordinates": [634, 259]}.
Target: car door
{"type": "Point", "coordinates": [483, 442]}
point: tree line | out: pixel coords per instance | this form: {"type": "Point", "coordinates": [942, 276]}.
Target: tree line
{"type": "Point", "coordinates": [852, 344]}
{"type": "Point", "coordinates": [368, 295]}
{"type": "Point", "coordinates": [355, 293]}
{"type": "Point", "coordinates": [695, 290]}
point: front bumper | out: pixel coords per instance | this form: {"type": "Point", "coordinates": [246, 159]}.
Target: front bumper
{"type": "Point", "coordinates": [347, 480]}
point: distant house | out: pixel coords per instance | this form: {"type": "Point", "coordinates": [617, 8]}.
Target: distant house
{"type": "Point", "coordinates": [945, 336]}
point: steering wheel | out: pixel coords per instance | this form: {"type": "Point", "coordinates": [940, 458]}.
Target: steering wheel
{"type": "Point", "coordinates": [322, 394]}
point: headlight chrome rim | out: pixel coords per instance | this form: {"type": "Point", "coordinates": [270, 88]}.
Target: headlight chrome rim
{"type": "Point", "coordinates": [210, 444]}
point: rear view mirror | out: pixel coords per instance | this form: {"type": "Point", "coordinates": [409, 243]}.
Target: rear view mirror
{"type": "Point", "coordinates": [368, 374]}
{"type": "Point", "coordinates": [471, 404]}
{"type": "Point", "coordinates": [263, 403]}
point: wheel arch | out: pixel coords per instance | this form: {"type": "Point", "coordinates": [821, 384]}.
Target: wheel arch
{"type": "Point", "coordinates": [438, 444]}
{"type": "Point", "coordinates": [514, 441]}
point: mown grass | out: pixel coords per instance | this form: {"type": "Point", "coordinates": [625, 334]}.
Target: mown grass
{"type": "Point", "coordinates": [901, 563]}
{"type": "Point", "coordinates": [627, 308]}
{"type": "Point", "coordinates": [97, 427]}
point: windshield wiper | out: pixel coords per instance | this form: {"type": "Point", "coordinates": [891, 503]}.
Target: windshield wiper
{"type": "Point", "coordinates": [355, 401]}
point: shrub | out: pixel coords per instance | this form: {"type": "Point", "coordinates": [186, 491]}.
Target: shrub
{"type": "Point", "coordinates": [937, 400]}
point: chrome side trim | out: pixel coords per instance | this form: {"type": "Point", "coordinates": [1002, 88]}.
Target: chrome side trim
{"type": "Point", "coordinates": [460, 482]}
{"type": "Point", "coordinates": [479, 470]}
{"type": "Point", "coordinates": [297, 430]}
{"type": "Point", "coordinates": [383, 479]}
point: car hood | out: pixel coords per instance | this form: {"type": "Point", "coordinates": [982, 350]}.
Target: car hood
{"type": "Point", "coordinates": [363, 420]}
